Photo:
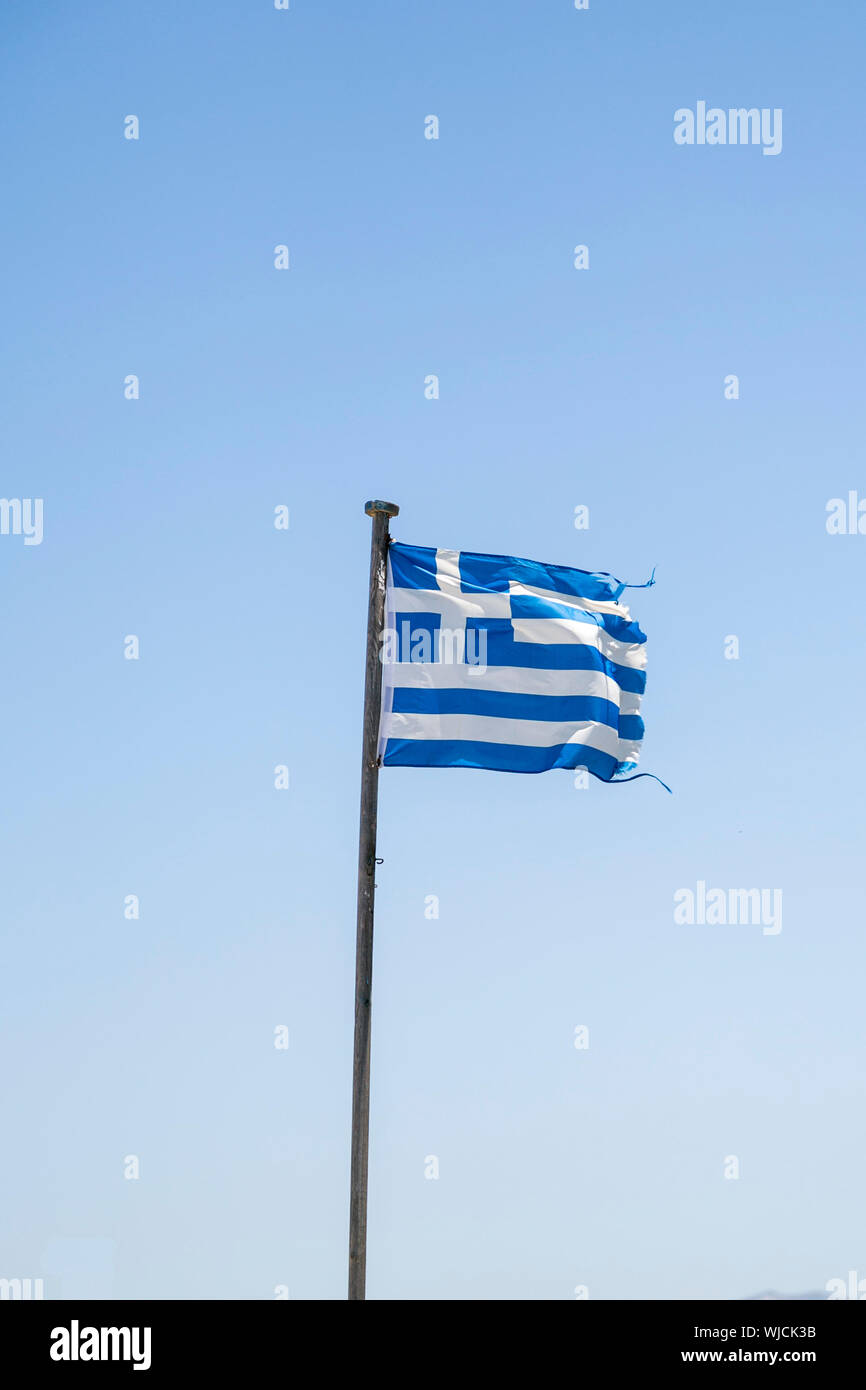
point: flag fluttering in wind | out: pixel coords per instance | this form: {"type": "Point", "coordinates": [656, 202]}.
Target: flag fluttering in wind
{"type": "Point", "coordinates": [490, 661]}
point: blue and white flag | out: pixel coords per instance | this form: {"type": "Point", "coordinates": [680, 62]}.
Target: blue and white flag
{"type": "Point", "coordinates": [495, 662]}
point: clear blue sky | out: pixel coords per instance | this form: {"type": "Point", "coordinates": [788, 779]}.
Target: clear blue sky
{"type": "Point", "coordinates": [305, 387]}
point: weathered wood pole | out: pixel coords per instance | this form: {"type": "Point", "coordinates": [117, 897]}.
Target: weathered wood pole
{"type": "Point", "coordinates": [380, 512]}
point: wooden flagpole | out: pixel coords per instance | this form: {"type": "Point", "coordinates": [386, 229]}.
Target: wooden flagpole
{"type": "Point", "coordinates": [381, 513]}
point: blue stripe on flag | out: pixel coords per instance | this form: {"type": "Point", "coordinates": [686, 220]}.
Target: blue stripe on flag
{"type": "Point", "coordinates": [496, 757]}
{"type": "Point", "coordinates": [503, 650]}
{"type": "Point", "coordinates": [631, 727]}
{"type": "Point", "coordinates": [500, 704]}
{"type": "Point", "coordinates": [414, 567]}
{"type": "Point", "coordinates": [494, 573]}
{"type": "Point", "coordinates": [532, 606]}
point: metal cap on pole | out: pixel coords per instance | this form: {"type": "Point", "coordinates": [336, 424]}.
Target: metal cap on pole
{"type": "Point", "coordinates": [388, 508]}
{"type": "Point", "coordinates": [381, 512]}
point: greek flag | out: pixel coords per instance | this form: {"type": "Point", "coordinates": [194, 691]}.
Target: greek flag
{"type": "Point", "coordinates": [494, 662]}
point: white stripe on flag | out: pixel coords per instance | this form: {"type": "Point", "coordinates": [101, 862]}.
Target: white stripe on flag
{"type": "Point", "coordinates": [515, 680]}
{"type": "Point", "coordinates": [531, 733]}
{"type": "Point", "coordinates": [455, 606]}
